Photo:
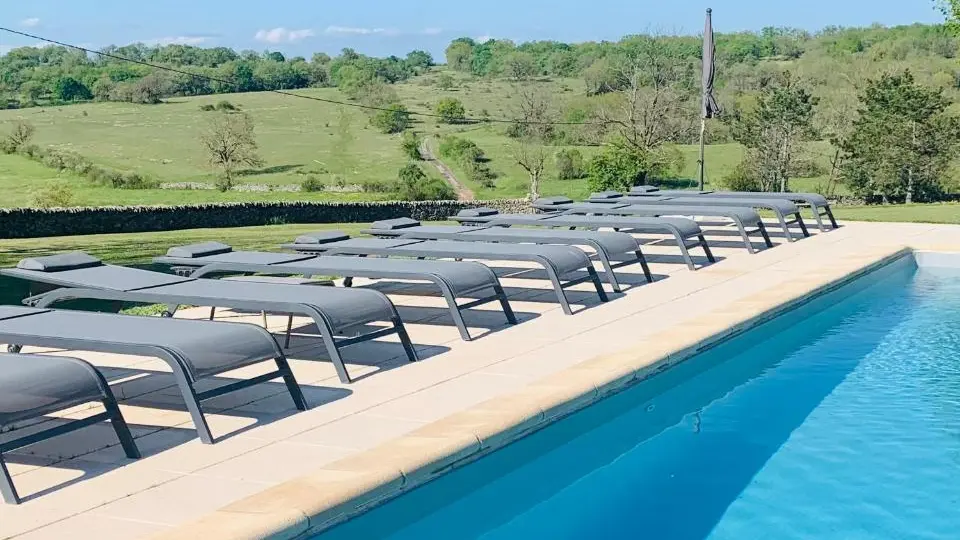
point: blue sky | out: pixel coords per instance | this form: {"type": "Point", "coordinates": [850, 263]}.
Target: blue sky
{"type": "Point", "coordinates": [300, 27]}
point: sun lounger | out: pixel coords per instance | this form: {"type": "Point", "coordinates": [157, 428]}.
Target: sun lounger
{"type": "Point", "coordinates": [557, 261]}
{"type": "Point", "coordinates": [685, 232]}
{"type": "Point", "coordinates": [607, 203]}
{"type": "Point", "coordinates": [817, 203]}
{"type": "Point", "coordinates": [194, 350]}
{"type": "Point", "coordinates": [614, 250]}
{"type": "Point", "coordinates": [786, 212]}
{"type": "Point", "coordinates": [454, 279]}
{"type": "Point", "coordinates": [32, 386]}
{"type": "Point", "coordinates": [336, 312]}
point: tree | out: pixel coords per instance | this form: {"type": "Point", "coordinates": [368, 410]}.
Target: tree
{"type": "Point", "coordinates": [19, 136]}
{"type": "Point", "coordinates": [275, 56]}
{"type": "Point", "coordinates": [395, 119]}
{"type": "Point", "coordinates": [445, 81]}
{"type": "Point", "coordinates": [410, 145]}
{"type": "Point", "coordinates": [460, 55]}
{"type": "Point", "coordinates": [451, 111]}
{"type": "Point", "coordinates": [419, 60]}
{"type": "Point", "coordinates": [533, 130]}
{"type": "Point", "coordinates": [569, 164]}
{"type": "Point", "coordinates": [616, 169]}
{"type": "Point", "coordinates": [230, 143]}
{"type": "Point", "coordinates": [531, 155]}
{"type": "Point", "coordinates": [414, 185]}
{"type": "Point", "coordinates": [951, 11]}
{"type": "Point", "coordinates": [774, 129]}
{"type": "Point", "coordinates": [903, 141]}
{"type": "Point", "coordinates": [519, 65]}
{"type": "Point", "coordinates": [70, 89]}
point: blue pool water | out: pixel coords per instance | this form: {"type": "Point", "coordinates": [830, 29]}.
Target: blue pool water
{"type": "Point", "coordinates": [840, 420]}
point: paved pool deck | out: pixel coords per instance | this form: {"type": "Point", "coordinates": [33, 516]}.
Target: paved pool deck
{"type": "Point", "coordinates": [274, 470]}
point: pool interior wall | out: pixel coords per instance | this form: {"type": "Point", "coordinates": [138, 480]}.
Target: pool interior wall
{"type": "Point", "coordinates": [703, 449]}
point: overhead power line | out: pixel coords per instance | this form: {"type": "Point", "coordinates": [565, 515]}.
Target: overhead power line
{"type": "Point", "coordinates": [282, 92]}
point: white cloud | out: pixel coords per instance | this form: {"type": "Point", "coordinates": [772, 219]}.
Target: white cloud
{"type": "Point", "coordinates": [432, 31]}
{"type": "Point", "coordinates": [179, 40]}
{"type": "Point", "coordinates": [483, 39]}
{"type": "Point", "coordinates": [30, 23]}
{"type": "Point", "coordinates": [356, 31]}
{"type": "Point", "coordinates": [282, 35]}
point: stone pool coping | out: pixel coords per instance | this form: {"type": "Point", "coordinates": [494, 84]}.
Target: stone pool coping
{"type": "Point", "coordinates": [313, 503]}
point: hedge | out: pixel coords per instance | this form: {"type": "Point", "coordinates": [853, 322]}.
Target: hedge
{"type": "Point", "coordinates": [38, 222]}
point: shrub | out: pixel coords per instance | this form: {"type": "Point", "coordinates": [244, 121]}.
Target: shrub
{"type": "Point", "coordinates": [208, 107]}
{"type": "Point", "coordinates": [410, 144]}
{"type": "Point", "coordinates": [394, 119]}
{"type": "Point", "coordinates": [224, 105]}
{"type": "Point", "coordinates": [743, 177]}
{"type": "Point", "coordinates": [19, 136]}
{"type": "Point", "coordinates": [570, 164]}
{"type": "Point", "coordinates": [224, 183]}
{"type": "Point", "coordinates": [451, 111]}
{"type": "Point", "coordinates": [133, 180]}
{"type": "Point", "coordinates": [473, 160]}
{"type": "Point", "coordinates": [414, 185]}
{"type": "Point", "coordinates": [58, 195]}
{"type": "Point", "coordinates": [445, 82]}
{"type": "Point", "coordinates": [312, 184]}
{"type": "Point", "coordinates": [616, 169]}
{"type": "Point", "coordinates": [376, 186]}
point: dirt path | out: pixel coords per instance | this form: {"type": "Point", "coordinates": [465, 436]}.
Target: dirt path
{"type": "Point", "coordinates": [463, 192]}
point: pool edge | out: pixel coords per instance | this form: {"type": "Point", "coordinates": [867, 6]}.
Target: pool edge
{"type": "Point", "coordinates": [313, 503]}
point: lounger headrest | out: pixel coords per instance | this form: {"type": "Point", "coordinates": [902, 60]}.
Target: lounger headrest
{"type": "Point", "coordinates": [60, 263]}
{"type": "Point", "coordinates": [644, 189]}
{"type": "Point", "coordinates": [606, 195]}
{"type": "Point", "coordinates": [322, 237]}
{"type": "Point", "coordinates": [483, 211]}
{"type": "Point", "coordinates": [394, 224]}
{"type": "Point", "coordinates": [552, 201]}
{"type": "Point", "coordinates": [194, 251]}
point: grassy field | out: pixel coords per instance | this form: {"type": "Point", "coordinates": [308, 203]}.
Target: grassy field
{"type": "Point", "coordinates": [298, 138]}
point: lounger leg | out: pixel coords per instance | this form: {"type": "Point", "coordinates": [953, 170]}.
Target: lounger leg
{"type": "Point", "coordinates": [608, 270]}
{"type": "Point", "coordinates": [830, 215]}
{"type": "Point", "coordinates": [558, 288]}
{"type": "Point", "coordinates": [646, 267]}
{"type": "Point", "coordinates": [194, 408]}
{"type": "Point", "coordinates": [685, 253]}
{"type": "Point", "coordinates": [457, 316]}
{"type": "Point", "coordinates": [746, 237]}
{"type": "Point", "coordinates": [120, 426]}
{"type": "Point", "coordinates": [505, 304]}
{"type": "Point", "coordinates": [283, 367]}
{"type": "Point", "coordinates": [595, 278]}
{"type": "Point", "coordinates": [286, 342]}
{"type": "Point", "coordinates": [334, 353]}
{"type": "Point", "coordinates": [170, 311]}
{"type": "Point", "coordinates": [348, 281]}
{"type": "Point", "coordinates": [264, 315]}
{"type": "Point", "coordinates": [817, 218]}
{"type": "Point", "coordinates": [14, 349]}
{"type": "Point", "coordinates": [763, 232]}
{"type": "Point", "coordinates": [786, 228]}
{"type": "Point", "coordinates": [405, 339]}
{"type": "Point", "coordinates": [6, 485]}
{"type": "Point", "coordinates": [803, 226]}
{"type": "Point", "coordinates": [213, 312]}
{"type": "Point", "coordinates": [706, 249]}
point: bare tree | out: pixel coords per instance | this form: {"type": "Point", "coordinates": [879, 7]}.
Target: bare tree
{"type": "Point", "coordinates": [230, 143]}
{"type": "Point", "coordinates": [656, 104]}
{"type": "Point", "coordinates": [532, 129]}
{"type": "Point", "coordinates": [532, 156]}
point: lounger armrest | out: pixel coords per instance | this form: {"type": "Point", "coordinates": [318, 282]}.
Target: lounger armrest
{"type": "Point", "coordinates": [60, 263]}
{"type": "Point", "coordinates": [193, 251]}
{"type": "Point", "coordinates": [482, 211]}
{"type": "Point", "coordinates": [321, 237]}
{"type": "Point", "coordinates": [394, 224]}
{"type": "Point", "coordinates": [606, 195]}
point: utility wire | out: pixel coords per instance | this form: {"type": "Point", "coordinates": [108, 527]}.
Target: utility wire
{"type": "Point", "coordinates": [283, 92]}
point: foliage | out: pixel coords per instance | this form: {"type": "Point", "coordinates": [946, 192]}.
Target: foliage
{"type": "Point", "coordinates": [451, 111]}
{"type": "Point", "coordinates": [395, 119]}
{"type": "Point", "coordinates": [742, 178]}
{"type": "Point", "coordinates": [774, 130]}
{"type": "Point", "coordinates": [58, 195]}
{"type": "Point", "coordinates": [469, 156]}
{"type": "Point", "coordinates": [70, 89]}
{"type": "Point", "coordinates": [230, 142]}
{"type": "Point", "coordinates": [410, 145]}
{"type": "Point", "coordinates": [569, 163]}
{"type": "Point", "coordinates": [312, 184]}
{"type": "Point", "coordinates": [414, 185]}
{"type": "Point", "coordinates": [445, 82]}
{"type": "Point", "coordinates": [19, 136]}
{"type": "Point", "coordinates": [617, 169]}
{"type": "Point", "coordinates": [226, 106]}
{"type": "Point", "coordinates": [903, 141]}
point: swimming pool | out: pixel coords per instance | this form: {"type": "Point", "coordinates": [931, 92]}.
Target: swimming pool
{"type": "Point", "coordinates": [840, 419]}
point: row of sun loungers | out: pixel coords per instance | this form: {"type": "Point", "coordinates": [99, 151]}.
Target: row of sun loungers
{"type": "Point", "coordinates": [32, 386]}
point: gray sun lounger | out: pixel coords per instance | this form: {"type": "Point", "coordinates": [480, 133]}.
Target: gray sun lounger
{"type": "Point", "coordinates": [786, 212]}
{"type": "Point", "coordinates": [454, 279]}
{"type": "Point", "coordinates": [605, 203]}
{"type": "Point", "coordinates": [614, 250]}
{"type": "Point", "coordinates": [32, 386]}
{"type": "Point", "coordinates": [194, 350]}
{"type": "Point", "coordinates": [335, 311]}
{"type": "Point", "coordinates": [817, 203]}
{"type": "Point", "coordinates": [557, 261]}
{"type": "Point", "coordinates": [685, 232]}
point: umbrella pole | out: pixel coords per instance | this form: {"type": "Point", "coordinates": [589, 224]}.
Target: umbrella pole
{"type": "Point", "coordinates": [703, 129]}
